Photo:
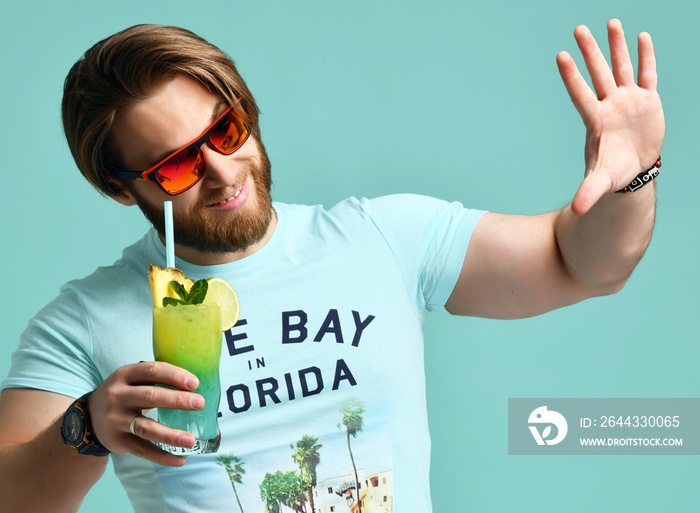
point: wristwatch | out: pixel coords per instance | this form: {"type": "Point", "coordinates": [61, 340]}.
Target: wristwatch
{"type": "Point", "coordinates": [76, 429]}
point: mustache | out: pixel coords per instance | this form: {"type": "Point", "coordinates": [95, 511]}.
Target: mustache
{"type": "Point", "coordinates": [226, 192]}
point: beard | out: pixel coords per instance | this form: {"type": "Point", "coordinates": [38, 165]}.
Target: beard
{"type": "Point", "coordinates": [213, 232]}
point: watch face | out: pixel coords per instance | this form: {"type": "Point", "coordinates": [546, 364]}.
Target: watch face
{"type": "Point", "coordinates": [72, 428]}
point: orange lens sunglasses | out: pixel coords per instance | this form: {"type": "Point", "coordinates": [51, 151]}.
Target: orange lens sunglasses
{"type": "Point", "coordinates": [185, 166]}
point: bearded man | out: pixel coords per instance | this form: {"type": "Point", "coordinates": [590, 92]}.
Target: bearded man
{"type": "Point", "coordinates": [332, 300]}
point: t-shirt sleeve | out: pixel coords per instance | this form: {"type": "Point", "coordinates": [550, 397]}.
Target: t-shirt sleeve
{"type": "Point", "coordinates": [429, 238]}
{"type": "Point", "coordinates": [55, 350]}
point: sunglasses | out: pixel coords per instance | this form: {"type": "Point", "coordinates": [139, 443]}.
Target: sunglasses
{"type": "Point", "coordinates": [185, 166]}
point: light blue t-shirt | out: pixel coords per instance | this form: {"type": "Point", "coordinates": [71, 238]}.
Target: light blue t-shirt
{"type": "Point", "coordinates": [331, 312]}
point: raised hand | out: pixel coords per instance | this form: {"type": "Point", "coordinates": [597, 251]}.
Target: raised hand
{"type": "Point", "coordinates": [624, 120]}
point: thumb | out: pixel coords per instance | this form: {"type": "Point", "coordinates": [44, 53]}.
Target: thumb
{"type": "Point", "coordinates": [591, 190]}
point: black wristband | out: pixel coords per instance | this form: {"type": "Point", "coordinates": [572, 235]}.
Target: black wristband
{"type": "Point", "coordinates": [643, 178]}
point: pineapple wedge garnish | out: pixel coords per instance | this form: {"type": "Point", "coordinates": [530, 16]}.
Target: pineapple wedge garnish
{"type": "Point", "coordinates": [160, 278]}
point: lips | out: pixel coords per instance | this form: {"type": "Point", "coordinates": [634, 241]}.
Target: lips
{"type": "Point", "coordinates": [230, 198]}
{"type": "Point", "coordinates": [232, 201]}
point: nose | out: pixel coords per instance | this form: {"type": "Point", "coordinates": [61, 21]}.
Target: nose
{"type": "Point", "coordinates": [219, 170]}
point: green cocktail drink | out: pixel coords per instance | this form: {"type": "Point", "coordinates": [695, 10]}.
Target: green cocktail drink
{"type": "Point", "coordinates": [189, 336]}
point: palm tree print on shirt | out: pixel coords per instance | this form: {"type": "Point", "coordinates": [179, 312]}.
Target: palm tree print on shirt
{"type": "Point", "coordinates": [352, 423]}
{"type": "Point", "coordinates": [307, 456]}
{"type": "Point", "coordinates": [234, 468]}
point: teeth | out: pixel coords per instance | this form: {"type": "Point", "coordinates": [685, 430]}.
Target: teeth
{"type": "Point", "coordinates": [231, 198]}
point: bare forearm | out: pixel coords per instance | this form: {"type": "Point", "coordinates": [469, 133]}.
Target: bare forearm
{"type": "Point", "coordinates": [603, 246]}
{"type": "Point", "coordinates": [46, 475]}
{"type": "Point", "coordinates": [38, 472]}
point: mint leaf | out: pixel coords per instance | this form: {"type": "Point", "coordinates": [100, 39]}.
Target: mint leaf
{"type": "Point", "coordinates": [171, 301]}
{"type": "Point", "coordinates": [198, 292]}
{"type": "Point", "coordinates": [195, 296]}
{"type": "Point", "coordinates": [179, 289]}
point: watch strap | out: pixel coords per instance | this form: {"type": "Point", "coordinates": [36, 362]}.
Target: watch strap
{"type": "Point", "coordinates": [89, 444]}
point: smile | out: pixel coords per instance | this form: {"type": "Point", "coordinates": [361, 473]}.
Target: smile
{"type": "Point", "coordinates": [230, 198]}
{"type": "Point", "coordinates": [233, 201]}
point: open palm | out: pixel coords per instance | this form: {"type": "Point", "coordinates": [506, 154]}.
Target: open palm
{"type": "Point", "coordinates": [624, 120]}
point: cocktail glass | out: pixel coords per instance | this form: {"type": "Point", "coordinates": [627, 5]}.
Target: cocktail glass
{"type": "Point", "coordinates": [189, 336]}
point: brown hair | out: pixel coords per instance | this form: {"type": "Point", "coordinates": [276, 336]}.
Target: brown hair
{"type": "Point", "coordinates": [122, 69]}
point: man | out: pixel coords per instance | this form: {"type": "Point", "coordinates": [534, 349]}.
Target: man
{"type": "Point", "coordinates": [332, 301]}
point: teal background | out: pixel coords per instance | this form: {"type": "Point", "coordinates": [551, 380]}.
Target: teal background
{"type": "Point", "coordinates": [459, 100]}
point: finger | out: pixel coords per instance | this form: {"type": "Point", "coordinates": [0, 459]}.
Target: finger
{"type": "Point", "coordinates": [646, 77]}
{"type": "Point", "coordinates": [591, 190]}
{"type": "Point", "coordinates": [601, 76]}
{"type": "Point", "coordinates": [162, 373]}
{"type": "Point", "coordinates": [146, 450]}
{"type": "Point", "coordinates": [149, 429]}
{"type": "Point", "coordinates": [581, 95]}
{"type": "Point", "coordinates": [619, 55]}
{"type": "Point", "coordinates": [145, 397]}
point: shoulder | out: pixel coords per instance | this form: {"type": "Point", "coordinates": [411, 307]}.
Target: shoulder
{"type": "Point", "coordinates": [362, 207]}
{"type": "Point", "coordinates": [118, 281]}
{"type": "Point", "coordinates": [405, 213]}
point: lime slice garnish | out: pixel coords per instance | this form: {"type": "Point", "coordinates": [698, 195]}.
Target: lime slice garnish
{"type": "Point", "coordinates": [221, 293]}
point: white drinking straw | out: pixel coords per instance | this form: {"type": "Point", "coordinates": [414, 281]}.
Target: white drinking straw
{"type": "Point", "coordinates": [169, 242]}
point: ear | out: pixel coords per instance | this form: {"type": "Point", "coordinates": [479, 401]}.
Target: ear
{"type": "Point", "coordinates": [122, 194]}
{"type": "Point", "coordinates": [124, 199]}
